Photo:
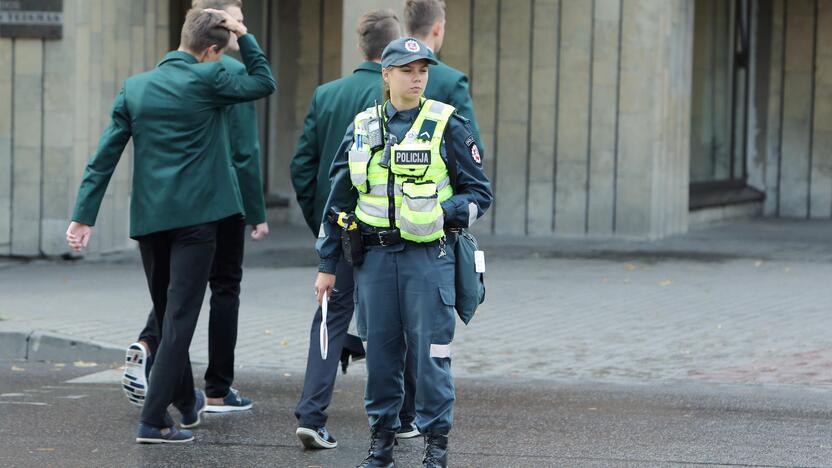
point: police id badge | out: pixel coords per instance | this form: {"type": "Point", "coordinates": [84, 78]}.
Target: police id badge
{"type": "Point", "coordinates": [411, 159]}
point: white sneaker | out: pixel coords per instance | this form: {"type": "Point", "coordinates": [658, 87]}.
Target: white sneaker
{"type": "Point", "coordinates": [134, 380]}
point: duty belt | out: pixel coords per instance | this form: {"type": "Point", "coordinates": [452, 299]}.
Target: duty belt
{"type": "Point", "coordinates": [389, 237]}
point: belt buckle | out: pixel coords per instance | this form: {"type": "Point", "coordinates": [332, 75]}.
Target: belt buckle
{"type": "Point", "coordinates": [383, 237]}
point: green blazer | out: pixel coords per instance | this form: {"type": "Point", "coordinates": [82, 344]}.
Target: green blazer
{"type": "Point", "coordinates": [333, 108]}
{"type": "Point", "coordinates": [175, 113]}
{"type": "Point", "coordinates": [245, 151]}
{"type": "Point", "coordinates": [449, 85]}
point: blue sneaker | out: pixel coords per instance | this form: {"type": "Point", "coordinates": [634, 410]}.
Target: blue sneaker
{"type": "Point", "coordinates": [137, 362]}
{"type": "Point", "coordinates": [191, 418]}
{"type": "Point", "coordinates": [232, 402]}
{"type": "Point", "coordinates": [151, 435]}
{"type": "Point", "coordinates": [316, 438]}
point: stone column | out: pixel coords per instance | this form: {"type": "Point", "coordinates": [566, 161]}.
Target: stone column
{"type": "Point", "coordinates": [654, 132]}
{"type": "Point", "coordinates": [55, 99]}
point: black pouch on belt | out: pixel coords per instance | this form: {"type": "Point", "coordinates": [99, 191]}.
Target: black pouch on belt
{"type": "Point", "coordinates": [352, 242]}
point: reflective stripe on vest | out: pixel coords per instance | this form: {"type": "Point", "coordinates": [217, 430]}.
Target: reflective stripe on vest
{"type": "Point", "coordinates": [417, 199]}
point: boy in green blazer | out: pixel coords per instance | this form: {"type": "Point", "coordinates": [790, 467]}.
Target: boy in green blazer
{"type": "Point", "coordinates": [227, 270]}
{"type": "Point", "coordinates": [183, 184]}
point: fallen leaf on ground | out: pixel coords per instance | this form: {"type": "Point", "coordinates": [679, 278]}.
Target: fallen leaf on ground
{"type": "Point", "coordinates": [630, 267]}
{"type": "Point", "coordinates": [84, 364]}
{"type": "Point", "coordinates": [665, 283]}
{"type": "Point", "coordinates": [60, 364]}
{"type": "Point", "coordinates": [45, 449]}
{"type": "Point", "coordinates": [18, 369]}
{"type": "Point", "coordinates": [268, 332]}
{"type": "Point", "coordinates": [758, 263]}
{"type": "Point", "coordinates": [284, 343]}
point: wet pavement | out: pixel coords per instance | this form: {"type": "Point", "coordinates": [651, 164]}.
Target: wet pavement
{"type": "Point", "coordinates": [46, 421]}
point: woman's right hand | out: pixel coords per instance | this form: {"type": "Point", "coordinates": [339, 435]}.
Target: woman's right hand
{"type": "Point", "coordinates": [324, 283]}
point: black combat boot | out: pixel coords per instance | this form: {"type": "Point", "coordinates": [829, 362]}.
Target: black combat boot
{"type": "Point", "coordinates": [436, 451]}
{"type": "Point", "coordinates": [380, 454]}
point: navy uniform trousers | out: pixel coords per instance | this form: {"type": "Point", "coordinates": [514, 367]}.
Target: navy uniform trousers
{"type": "Point", "coordinates": [406, 293]}
{"type": "Point", "coordinates": [319, 381]}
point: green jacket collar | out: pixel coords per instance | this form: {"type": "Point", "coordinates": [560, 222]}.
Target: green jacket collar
{"type": "Point", "coordinates": [178, 55]}
{"type": "Point", "coordinates": [369, 66]}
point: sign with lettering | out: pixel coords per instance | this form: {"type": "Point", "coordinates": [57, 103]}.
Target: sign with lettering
{"type": "Point", "coordinates": [40, 19]}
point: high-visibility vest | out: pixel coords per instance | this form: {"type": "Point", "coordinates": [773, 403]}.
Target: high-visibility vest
{"type": "Point", "coordinates": [416, 181]}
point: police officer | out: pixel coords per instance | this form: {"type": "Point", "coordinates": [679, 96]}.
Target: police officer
{"type": "Point", "coordinates": [331, 111]}
{"type": "Point", "coordinates": [405, 202]}
{"type": "Point", "coordinates": [425, 20]}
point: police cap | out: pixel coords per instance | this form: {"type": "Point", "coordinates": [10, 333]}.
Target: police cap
{"type": "Point", "coordinates": [405, 50]}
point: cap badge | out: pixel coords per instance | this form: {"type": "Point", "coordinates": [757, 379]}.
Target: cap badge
{"type": "Point", "coordinates": [411, 45]}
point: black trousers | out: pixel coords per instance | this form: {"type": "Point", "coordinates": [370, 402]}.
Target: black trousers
{"type": "Point", "coordinates": [177, 264]}
{"type": "Point", "coordinates": [319, 379]}
{"type": "Point", "coordinates": [226, 275]}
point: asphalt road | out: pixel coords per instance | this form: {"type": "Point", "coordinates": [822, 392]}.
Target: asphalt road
{"type": "Point", "coordinates": [45, 420]}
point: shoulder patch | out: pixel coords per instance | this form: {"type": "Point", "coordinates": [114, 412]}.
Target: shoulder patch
{"type": "Point", "coordinates": [475, 155]}
{"type": "Point", "coordinates": [469, 141]}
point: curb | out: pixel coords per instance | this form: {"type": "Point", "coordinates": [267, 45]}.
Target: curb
{"type": "Point", "coordinates": [46, 346]}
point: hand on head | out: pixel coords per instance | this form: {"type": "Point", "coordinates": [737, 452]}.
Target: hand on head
{"type": "Point", "coordinates": [229, 22]}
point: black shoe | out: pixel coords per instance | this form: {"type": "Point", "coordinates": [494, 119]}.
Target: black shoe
{"type": "Point", "coordinates": [380, 454]}
{"type": "Point", "coordinates": [408, 431]}
{"type": "Point", "coordinates": [316, 438]}
{"type": "Point", "coordinates": [436, 451]}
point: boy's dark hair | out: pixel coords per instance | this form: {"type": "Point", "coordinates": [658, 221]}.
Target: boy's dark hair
{"type": "Point", "coordinates": [421, 15]}
{"type": "Point", "coordinates": [203, 30]}
{"type": "Point", "coordinates": [376, 29]}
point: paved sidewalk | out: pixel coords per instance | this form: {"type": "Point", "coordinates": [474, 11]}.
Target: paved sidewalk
{"type": "Point", "coordinates": [745, 302]}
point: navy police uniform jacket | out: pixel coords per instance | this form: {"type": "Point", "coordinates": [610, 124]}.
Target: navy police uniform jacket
{"type": "Point", "coordinates": [472, 186]}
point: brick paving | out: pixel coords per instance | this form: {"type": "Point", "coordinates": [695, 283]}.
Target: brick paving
{"type": "Point", "coordinates": [631, 316]}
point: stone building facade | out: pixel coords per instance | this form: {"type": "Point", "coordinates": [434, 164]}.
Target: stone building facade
{"type": "Point", "coordinates": [600, 118]}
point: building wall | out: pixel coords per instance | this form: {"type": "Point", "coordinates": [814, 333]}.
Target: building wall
{"type": "Point", "coordinates": [305, 52]}
{"type": "Point", "coordinates": [55, 98]}
{"type": "Point", "coordinates": [584, 110]}
{"type": "Point", "coordinates": [798, 130]}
